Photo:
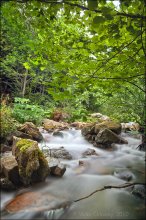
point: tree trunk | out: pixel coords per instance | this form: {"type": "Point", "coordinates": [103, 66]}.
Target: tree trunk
{"type": "Point", "coordinates": [24, 83]}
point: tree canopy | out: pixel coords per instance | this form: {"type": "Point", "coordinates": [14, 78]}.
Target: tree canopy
{"type": "Point", "coordinates": [81, 53]}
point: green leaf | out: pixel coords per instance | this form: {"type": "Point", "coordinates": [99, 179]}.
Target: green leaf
{"type": "Point", "coordinates": [92, 4]}
{"type": "Point", "coordinates": [26, 65]}
{"type": "Point", "coordinates": [42, 68]}
{"type": "Point", "coordinates": [98, 20]}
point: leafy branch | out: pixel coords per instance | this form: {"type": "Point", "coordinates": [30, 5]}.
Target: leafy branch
{"type": "Point", "coordinates": [134, 16]}
{"type": "Point", "coordinates": [129, 77]}
{"type": "Point", "coordinates": [109, 59]}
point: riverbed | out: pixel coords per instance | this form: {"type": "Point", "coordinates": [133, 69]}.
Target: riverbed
{"type": "Point", "coordinates": [125, 163]}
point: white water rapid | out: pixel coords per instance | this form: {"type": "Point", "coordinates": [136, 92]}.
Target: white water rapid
{"type": "Point", "coordinates": [124, 163]}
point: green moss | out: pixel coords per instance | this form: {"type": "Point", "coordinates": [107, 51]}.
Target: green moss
{"type": "Point", "coordinates": [24, 144]}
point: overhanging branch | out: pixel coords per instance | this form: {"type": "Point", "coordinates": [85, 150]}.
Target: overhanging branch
{"type": "Point", "coordinates": [109, 59]}
{"type": "Point", "coordinates": [109, 187]}
{"type": "Point", "coordinates": [134, 16]}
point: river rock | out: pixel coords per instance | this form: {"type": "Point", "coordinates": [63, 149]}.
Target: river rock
{"type": "Point", "coordinates": [113, 126]}
{"type": "Point", "coordinates": [100, 117]}
{"type": "Point", "coordinates": [9, 168]}
{"type": "Point", "coordinates": [30, 129]}
{"type": "Point", "coordinates": [125, 175]}
{"type": "Point", "coordinates": [88, 129]}
{"type": "Point", "coordinates": [79, 125]}
{"type": "Point", "coordinates": [58, 134]}
{"type": "Point", "coordinates": [58, 153]}
{"type": "Point", "coordinates": [107, 137]}
{"type": "Point", "coordinates": [139, 191]}
{"type": "Point", "coordinates": [89, 152]}
{"type": "Point", "coordinates": [6, 184]}
{"type": "Point", "coordinates": [33, 167]}
{"type": "Point", "coordinates": [19, 134]}
{"type": "Point", "coordinates": [35, 202]}
{"type": "Point", "coordinates": [4, 148]}
{"type": "Point", "coordinates": [130, 126]}
{"type": "Point", "coordinates": [51, 125]}
{"type": "Point", "coordinates": [56, 168]}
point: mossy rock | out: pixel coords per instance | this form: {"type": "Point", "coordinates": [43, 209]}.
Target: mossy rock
{"type": "Point", "coordinates": [111, 125]}
{"type": "Point", "coordinates": [33, 167]}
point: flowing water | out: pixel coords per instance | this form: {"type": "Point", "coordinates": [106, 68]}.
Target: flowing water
{"type": "Point", "coordinates": [108, 168]}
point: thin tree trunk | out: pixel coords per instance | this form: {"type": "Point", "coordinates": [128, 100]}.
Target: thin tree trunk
{"type": "Point", "coordinates": [24, 83]}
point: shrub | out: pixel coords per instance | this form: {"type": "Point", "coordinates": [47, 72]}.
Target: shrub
{"type": "Point", "coordinates": [24, 111]}
{"type": "Point", "coordinates": [7, 122]}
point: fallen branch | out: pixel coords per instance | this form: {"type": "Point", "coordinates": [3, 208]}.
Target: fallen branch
{"type": "Point", "coordinates": [109, 187]}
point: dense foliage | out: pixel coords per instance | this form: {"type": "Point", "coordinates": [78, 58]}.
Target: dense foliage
{"type": "Point", "coordinates": [7, 122]}
{"type": "Point", "coordinates": [83, 56]}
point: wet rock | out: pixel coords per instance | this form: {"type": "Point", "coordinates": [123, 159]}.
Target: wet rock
{"type": "Point", "coordinates": [33, 167]}
{"type": "Point", "coordinates": [113, 126]}
{"type": "Point", "coordinates": [83, 166]}
{"type": "Point", "coordinates": [130, 126]}
{"type": "Point", "coordinates": [59, 153]}
{"type": "Point", "coordinates": [125, 175]}
{"type": "Point", "coordinates": [90, 137]}
{"type": "Point", "coordinates": [10, 169]}
{"type": "Point", "coordinates": [6, 184]}
{"type": "Point", "coordinates": [81, 163]}
{"type": "Point", "coordinates": [103, 134]}
{"type": "Point", "coordinates": [100, 117]}
{"type": "Point", "coordinates": [19, 134]}
{"type": "Point", "coordinates": [109, 147]}
{"type": "Point", "coordinates": [108, 137]}
{"type": "Point", "coordinates": [4, 148]}
{"type": "Point", "coordinates": [30, 129]}
{"type": "Point", "coordinates": [58, 134]}
{"type": "Point", "coordinates": [79, 125]}
{"type": "Point", "coordinates": [88, 129]}
{"type": "Point", "coordinates": [35, 202]}
{"type": "Point", "coordinates": [59, 170]}
{"type": "Point", "coordinates": [51, 125]}
{"type": "Point", "coordinates": [89, 152]}
{"type": "Point", "coordinates": [56, 168]}
{"type": "Point", "coordinates": [139, 191]}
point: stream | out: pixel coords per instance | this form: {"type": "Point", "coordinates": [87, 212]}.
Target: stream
{"type": "Point", "coordinates": [107, 168]}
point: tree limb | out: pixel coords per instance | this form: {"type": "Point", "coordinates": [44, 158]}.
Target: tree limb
{"type": "Point", "coordinates": [109, 187]}
{"type": "Point", "coordinates": [130, 77]}
{"type": "Point", "coordinates": [105, 62]}
{"type": "Point", "coordinates": [136, 16]}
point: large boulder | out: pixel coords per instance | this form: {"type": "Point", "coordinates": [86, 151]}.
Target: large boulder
{"type": "Point", "coordinates": [88, 129]}
{"type": "Point", "coordinates": [33, 167]}
{"type": "Point", "coordinates": [113, 126]}
{"type": "Point", "coordinates": [50, 125]}
{"type": "Point", "coordinates": [9, 169]}
{"type": "Point", "coordinates": [31, 130]}
{"type": "Point", "coordinates": [107, 137]}
{"type": "Point", "coordinates": [103, 134]}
